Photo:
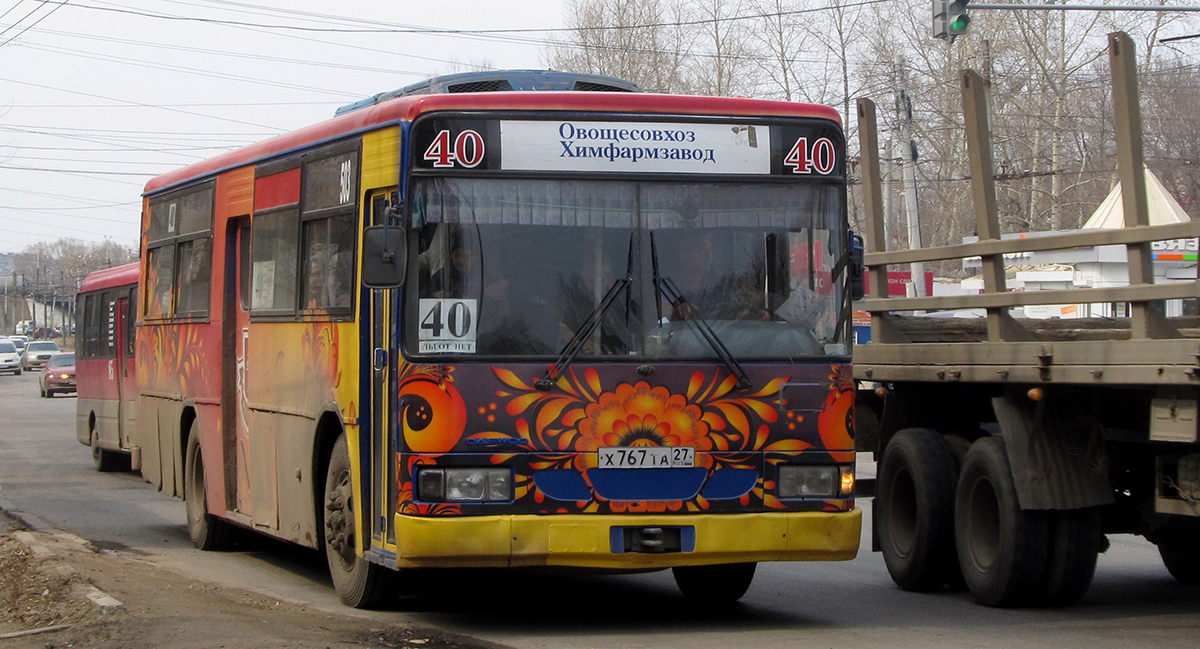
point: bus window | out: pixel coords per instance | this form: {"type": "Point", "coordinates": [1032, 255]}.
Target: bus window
{"type": "Point", "coordinates": [195, 277]}
{"type": "Point", "coordinates": [179, 245]}
{"type": "Point", "coordinates": [158, 281]}
{"type": "Point", "coordinates": [329, 262]}
{"type": "Point", "coordinates": [274, 272]}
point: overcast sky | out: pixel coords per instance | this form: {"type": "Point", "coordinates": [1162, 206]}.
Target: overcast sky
{"type": "Point", "coordinates": [98, 96]}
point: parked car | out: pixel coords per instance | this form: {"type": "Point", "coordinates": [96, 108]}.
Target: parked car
{"type": "Point", "coordinates": [10, 358]}
{"type": "Point", "coordinates": [58, 375]}
{"type": "Point", "coordinates": [37, 353]}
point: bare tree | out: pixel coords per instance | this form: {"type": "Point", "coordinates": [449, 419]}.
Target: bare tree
{"type": "Point", "coordinates": [636, 40]}
{"type": "Point", "coordinates": [722, 63]}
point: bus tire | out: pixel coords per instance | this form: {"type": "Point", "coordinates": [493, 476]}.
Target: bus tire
{"type": "Point", "coordinates": [1075, 540]}
{"type": "Point", "coordinates": [105, 461]}
{"type": "Point", "coordinates": [1001, 548]}
{"type": "Point", "coordinates": [1178, 550]}
{"type": "Point", "coordinates": [207, 532]}
{"type": "Point", "coordinates": [915, 509]}
{"type": "Point", "coordinates": [719, 585]}
{"type": "Point", "coordinates": [359, 583]}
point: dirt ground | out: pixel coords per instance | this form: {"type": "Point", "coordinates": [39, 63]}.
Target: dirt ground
{"type": "Point", "coordinates": [58, 591]}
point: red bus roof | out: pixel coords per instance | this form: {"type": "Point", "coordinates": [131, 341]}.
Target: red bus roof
{"type": "Point", "coordinates": [405, 109]}
{"type": "Point", "coordinates": [110, 277]}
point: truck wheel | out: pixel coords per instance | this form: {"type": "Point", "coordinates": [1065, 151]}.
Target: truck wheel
{"type": "Point", "coordinates": [1178, 552]}
{"type": "Point", "coordinates": [1001, 548]}
{"type": "Point", "coordinates": [359, 583]}
{"type": "Point", "coordinates": [915, 509]}
{"type": "Point", "coordinates": [207, 531]}
{"type": "Point", "coordinates": [1075, 540]}
{"type": "Point", "coordinates": [719, 585]}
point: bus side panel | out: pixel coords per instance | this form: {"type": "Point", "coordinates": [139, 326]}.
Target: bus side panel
{"type": "Point", "coordinates": [147, 440]}
{"type": "Point", "coordinates": [294, 373]}
{"type": "Point", "coordinates": [97, 399]}
{"type": "Point", "coordinates": [294, 486]}
{"type": "Point", "coordinates": [263, 468]}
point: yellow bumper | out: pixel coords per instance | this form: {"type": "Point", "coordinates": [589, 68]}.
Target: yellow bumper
{"type": "Point", "coordinates": [586, 541]}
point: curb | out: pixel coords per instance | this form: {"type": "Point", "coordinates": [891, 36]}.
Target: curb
{"type": "Point", "coordinates": [32, 540]}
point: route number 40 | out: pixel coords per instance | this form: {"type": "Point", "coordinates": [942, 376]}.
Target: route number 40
{"type": "Point", "coordinates": [821, 157]}
{"type": "Point", "coordinates": [466, 149]}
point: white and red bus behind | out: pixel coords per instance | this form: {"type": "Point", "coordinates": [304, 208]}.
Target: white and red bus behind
{"type": "Point", "coordinates": [104, 365]}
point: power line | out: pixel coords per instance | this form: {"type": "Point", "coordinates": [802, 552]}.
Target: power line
{"type": "Point", "coordinates": [48, 14]}
{"type": "Point", "coordinates": [86, 172]}
{"type": "Point", "coordinates": [144, 105]}
{"type": "Point", "coordinates": [392, 28]}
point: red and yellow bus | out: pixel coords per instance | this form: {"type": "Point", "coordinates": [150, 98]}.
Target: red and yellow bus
{"type": "Point", "coordinates": [104, 365]}
{"type": "Point", "coordinates": [459, 328]}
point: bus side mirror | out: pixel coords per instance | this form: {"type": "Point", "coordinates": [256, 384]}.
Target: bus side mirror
{"type": "Point", "coordinates": [385, 252]}
{"type": "Point", "coordinates": [858, 286]}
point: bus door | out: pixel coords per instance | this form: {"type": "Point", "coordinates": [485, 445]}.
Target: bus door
{"type": "Point", "coordinates": [384, 359]}
{"type": "Point", "coordinates": [235, 334]}
{"type": "Point", "coordinates": [126, 379]}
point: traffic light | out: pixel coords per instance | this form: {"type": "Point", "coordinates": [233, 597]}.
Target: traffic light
{"type": "Point", "coordinates": [957, 19]}
{"type": "Point", "coordinates": [941, 25]}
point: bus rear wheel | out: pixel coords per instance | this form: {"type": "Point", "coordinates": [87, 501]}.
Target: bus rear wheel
{"type": "Point", "coordinates": [719, 585]}
{"type": "Point", "coordinates": [206, 531]}
{"type": "Point", "coordinates": [105, 461]}
{"type": "Point", "coordinates": [359, 583]}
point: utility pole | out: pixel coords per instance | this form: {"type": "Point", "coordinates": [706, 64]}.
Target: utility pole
{"type": "Point", "coordinates": [908, 170]}
{"type": "Point", "coordinates": [888, 209]}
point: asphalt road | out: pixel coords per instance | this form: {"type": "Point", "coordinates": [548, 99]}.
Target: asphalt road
{"type": "Point", "coordinates": [47, 476]}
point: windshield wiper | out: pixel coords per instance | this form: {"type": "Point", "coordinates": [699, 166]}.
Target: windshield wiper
{"type": "Point", "coordinates": [576, 343]}
{"type": "Point", "coordinates": [664, 287]}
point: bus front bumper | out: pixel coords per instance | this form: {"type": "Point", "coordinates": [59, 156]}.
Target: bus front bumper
{"type": "Point", "coordinates": [603, 541]}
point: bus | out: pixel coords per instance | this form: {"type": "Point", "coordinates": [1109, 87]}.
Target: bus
{"type": "Point", "coordinates": [467, 324]}
{"type": "Point", "coordinates": [105, 366]}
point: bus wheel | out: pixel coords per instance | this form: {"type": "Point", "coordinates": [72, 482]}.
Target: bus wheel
{"type": "Point", "coordinates": [1178, 552]}
{"type": "Point", "coordinates": [1075, 540]}
{"type": "Point", "coordinates": [105, 461]}
{"type": "Point", "coordinates": [714, 585]}
{"type": "Point", "coordinates": [915, 510]}
{"type": "Point", "coordinates": [1001, 548]}
{"type": "Point", "coordinates": [359, 582]}
{"type": "Point", "coordinates": [207, 531]}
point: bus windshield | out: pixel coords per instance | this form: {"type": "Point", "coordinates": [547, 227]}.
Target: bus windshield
{"type": "Point", "coordinates": [516, 267]}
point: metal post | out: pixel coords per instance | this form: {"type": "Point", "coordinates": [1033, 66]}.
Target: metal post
{"type": "Point", "coordinates": [876, 234]}
{"type": "Point", "coordinates": [1000, 324]}
{"type": "Point", "coordinates": [1147, 321]}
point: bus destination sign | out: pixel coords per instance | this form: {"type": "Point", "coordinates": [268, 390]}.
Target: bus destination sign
{"type": "Point", "coordinates": [812, 150]}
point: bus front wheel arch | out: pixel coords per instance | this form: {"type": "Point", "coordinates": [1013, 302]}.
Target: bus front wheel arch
{"type": "Point", "coordinates": [359, 583]}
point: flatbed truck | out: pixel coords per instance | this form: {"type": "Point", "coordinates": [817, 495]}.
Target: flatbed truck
{"type": "Point", "coordinates": [1009, 447]}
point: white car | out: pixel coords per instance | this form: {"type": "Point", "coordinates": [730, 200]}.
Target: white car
{"type": "Point", "coordinates": [37, 353]}
{"type": "Point", "coordinates": [10, 358]}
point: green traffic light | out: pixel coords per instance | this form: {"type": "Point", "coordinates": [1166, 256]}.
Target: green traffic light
{"type": "Point", "coordinates": [960, 24]}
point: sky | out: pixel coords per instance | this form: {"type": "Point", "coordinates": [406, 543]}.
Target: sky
{"type": "Point", "coordinates": [99, 96]}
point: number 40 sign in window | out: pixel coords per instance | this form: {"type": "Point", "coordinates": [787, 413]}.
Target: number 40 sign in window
{"type": "Point", "coordinates": [447, 326]}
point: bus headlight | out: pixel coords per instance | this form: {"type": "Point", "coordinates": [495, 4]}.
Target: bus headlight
{"type": "Point", "coordinates": [464, 485]}
{"type": "Point", "coordinates": [814, 481]}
